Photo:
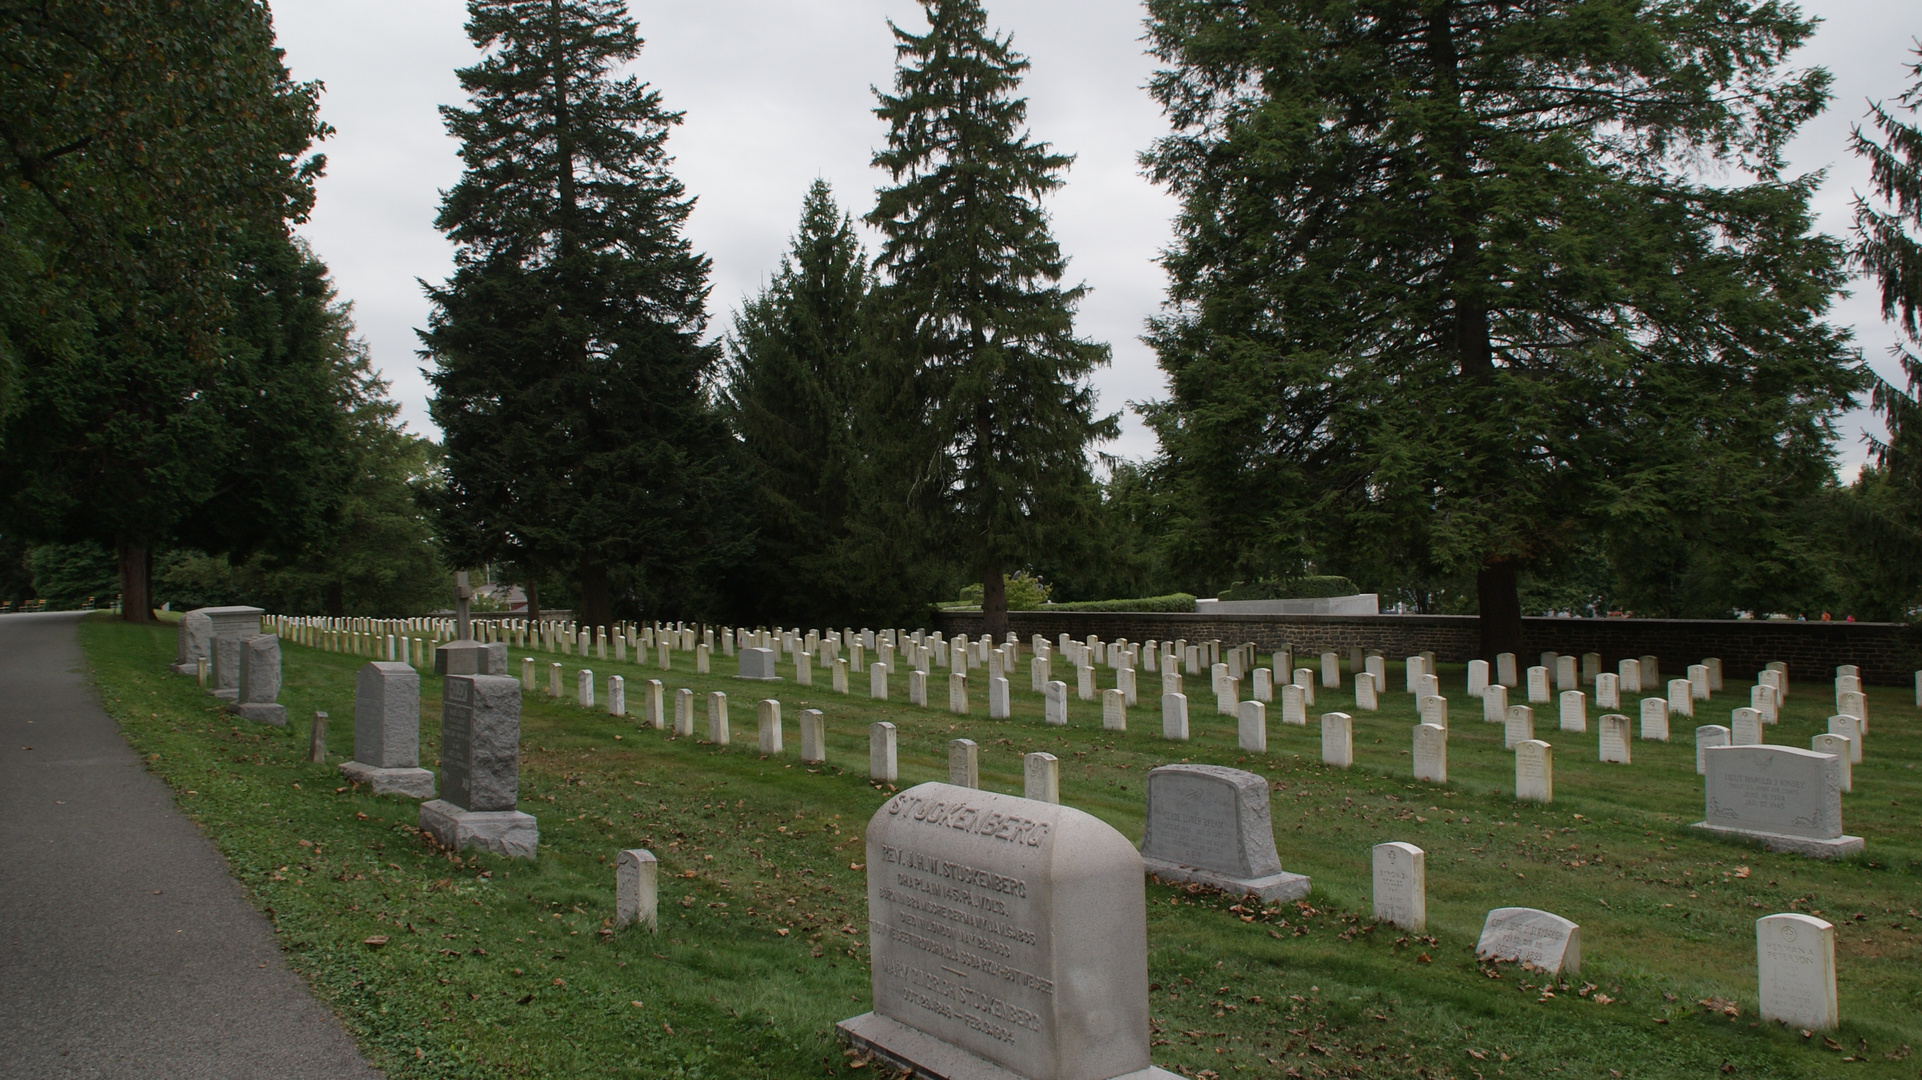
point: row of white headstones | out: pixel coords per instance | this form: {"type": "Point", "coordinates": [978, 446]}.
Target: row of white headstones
{"type": "Point", "coordinates": [1795, 953]}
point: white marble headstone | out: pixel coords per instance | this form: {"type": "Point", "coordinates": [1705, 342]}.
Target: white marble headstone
{"type": "Point", "coordinates": [1431, 753]}
{"type": "Point", "coordinates": [1401, 886]}
{"type": "Point", "coordinates": [1534, 771]}
{"type": "Point", "coordinates": [1615, 738]}
{"type": "Point", "coordinates": [1795, 970]}
{"type": "Point", "coordinates": [1543, 941]}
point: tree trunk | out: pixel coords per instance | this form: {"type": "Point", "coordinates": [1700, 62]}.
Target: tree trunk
{"type": "Point", "coordinates": [597, 607]}
{"type": "Point", "coordinates": [533, 601]}
{"type": "Point", "coordinates": [136, 583]}
{"type": "Point", "coordinates": [333, 600]}
{"type": "Point", "coordinates": [994, 605]}
{"type": "Point", "coordinates": [1501, 609]}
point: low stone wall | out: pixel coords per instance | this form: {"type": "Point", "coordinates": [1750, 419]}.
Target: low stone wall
{"type": "Point", "coordinates": [1888, 653]}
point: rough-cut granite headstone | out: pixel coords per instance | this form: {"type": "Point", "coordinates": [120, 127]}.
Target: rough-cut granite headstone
{"type": "Point", "coordinates": [757, 664]}
{"type": "Point", "coordinates": [1787, 798]}
{"type": "Point", "coordinates": [259, 682]}
{"type": "Point", "coordinates": [1795, 971]}
{"type": "Point", "coordinates": [1210, 824]}
{"type": "Point", "coordinates": [1401, 886]}
{"type": "Point", "coordinates": [225, 650]}
{"type": "Point", "coordinates": [190, 642]}
{"type": "Point", "coordinates": [387, 732]}
{"type": "Point", "coordinates": [1542, 940]}
{"type": "Point", "coordinates": [1009, 941]}
{"type": "Point", "coordinates": [480, 737]}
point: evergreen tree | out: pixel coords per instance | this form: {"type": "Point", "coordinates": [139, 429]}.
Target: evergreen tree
{"type": "Point", "coordinates": [150, 163]}
{"type": "Point", "coordinates": [794, 375]}
{"type": "Point", "coordinates": [1887, 518]}
{"type": "Point", "coordinates": [569, 363]}
{"type": "Point", "coordinates": [1449, 294]}
{"type": "Point", "coordinates": [994, 411]}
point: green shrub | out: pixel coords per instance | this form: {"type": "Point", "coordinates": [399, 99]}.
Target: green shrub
{"type": "Point", "coordinates": [1311, 587]}
{"type": "Point", "coordinates": [1025, 592]}
{"type": "Point", "coordinates": [1175, 602]}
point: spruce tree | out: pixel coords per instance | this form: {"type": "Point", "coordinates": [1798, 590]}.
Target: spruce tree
{"type": "Point", "coordinates": [1450, 295]}
{"type": "Point", "coordinates": [1887, 526]}
{"type": "Point", "coordinates": [994, 409]}
{"type": "Point", "coordinates": [567, 346]}
{"type": "Point", "coordinates": [794, 375]}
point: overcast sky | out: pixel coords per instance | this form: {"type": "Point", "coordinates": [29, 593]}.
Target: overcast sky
{"type": "Point", "coordinates": [777, 92]}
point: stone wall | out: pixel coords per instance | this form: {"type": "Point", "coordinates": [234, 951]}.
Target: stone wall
{"type": "Point", "coordinates": [1888, 653]}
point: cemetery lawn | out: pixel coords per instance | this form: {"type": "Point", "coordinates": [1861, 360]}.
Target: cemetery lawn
{"type": "Point", "coordinates": [473, 966]}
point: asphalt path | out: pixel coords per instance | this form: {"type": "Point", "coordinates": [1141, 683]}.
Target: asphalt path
{"type": "Point", "coordinates": [126, 948]}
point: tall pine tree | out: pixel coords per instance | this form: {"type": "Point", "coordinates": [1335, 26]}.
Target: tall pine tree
{"type": "Point", "coordinates": [994, 405]}
{"type": "Point", "coordinates": [795, 373]}
{"type": "Point", "coordinates": [1450, 295]}
{"type": "Point", "coordinates": [579, 441]}
{"type": "Point", "coordinates": [1888, 245]}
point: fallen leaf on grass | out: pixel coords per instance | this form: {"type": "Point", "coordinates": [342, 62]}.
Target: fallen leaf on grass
{"type": "Point", "coordinates": [376, 941]}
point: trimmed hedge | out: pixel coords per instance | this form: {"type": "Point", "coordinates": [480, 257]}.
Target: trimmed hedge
{"type": "Point", "coordinates": [1174, 602]}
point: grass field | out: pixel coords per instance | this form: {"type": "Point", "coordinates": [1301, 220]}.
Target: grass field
{"type": "Point", "coordinates": [497, 968]}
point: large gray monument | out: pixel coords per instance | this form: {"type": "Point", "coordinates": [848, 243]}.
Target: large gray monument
{"type": "Point", "coordinates": [387, 732]}
{"type": "Point", "coordinates": [480, 743]}
{"type": "Point", "coordinates": [1787, 798]}
{"type": "Point", "coordinates": [1210, 824]}
{"type": "Point", "coordinates": [1009, 940]}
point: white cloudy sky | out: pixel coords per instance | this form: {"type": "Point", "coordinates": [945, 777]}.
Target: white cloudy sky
{"type": "Point", "coordinates": [776, 93]}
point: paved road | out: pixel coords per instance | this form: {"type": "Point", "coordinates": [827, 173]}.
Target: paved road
{"type": "Point", "coordinates": [126, 949]}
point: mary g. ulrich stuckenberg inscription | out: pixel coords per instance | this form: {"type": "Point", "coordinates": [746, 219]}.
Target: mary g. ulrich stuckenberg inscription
{"type": "Point", "coordinates": [1009, 940]}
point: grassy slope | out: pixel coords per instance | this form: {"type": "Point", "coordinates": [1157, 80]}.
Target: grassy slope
{"type": "Point", "coordinates": [495, 968]}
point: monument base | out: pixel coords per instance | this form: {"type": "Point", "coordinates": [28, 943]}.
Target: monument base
{"type": "Point", "coordinates": [1282, 886]}
{"type": "Point", "coordinates": [1794, 845]}
{"type": "Point", "coordinates": [929, 1058]}
{"type": "Point", "coordinates": [263, 714]}
{"type": "Point", "coordinates": [502, 832]}
{"type": "Point", "coordinates": [413, 783]}
{"type": "Point", "coordinates": [185, 669]}
{"type": "Point", "coordinates": [760, 678]}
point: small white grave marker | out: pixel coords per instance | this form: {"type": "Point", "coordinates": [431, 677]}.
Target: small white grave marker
{"type": "Point", "coordinates": [637, 888]}
{"type": "Point", "coordinates": [964, 763]}
{"type": "Point", "coordinates": [814, 741]}
{"type": "Point", "coordinates": [1837, 745]}
{"type": "Point", "coordinates": [1365, 696]}
{"type": "Point", "coordinates": [1615, 738]}
{"type": "Point", "coordinates": [1543, 941]}
{"type": "Point", "coordinates": [1338, 740]}
{"type": "Point", "coordinates": [1574, 716]}
{"type": "Point", "coordinates": [1401, 886]}
{"type": "Point", "coordinates": [1655, 719]}
{"type": "Point", "coordinates": [1537, 685]}
{"type": "Point", "coordinates": [1850, 727]}
{"type": "Point", "coordinates": [1535, 771]}
{"type": "Point", "coordinates": [1795, 967]}
{"type": "Point", "coordinates": [1518, 726]}
{"type": "Point", "coordinates": [1431, 753]}
{"type": "Point", "coordinates": [881, 752]}
{"type": "Point", "coordinates": [1041, 777]}
{"type": "Point", "coordinates": [1251, 727]}
{"type": "Point", "coordinates": [1174, 717]}
{"type": "Point", "coordinates": [1114, 711]}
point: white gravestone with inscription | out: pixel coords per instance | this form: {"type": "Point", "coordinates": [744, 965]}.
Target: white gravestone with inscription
{"type": "Point", "coordinates": [1608, 693]}
{"type": "Point", "coordinates": [1787, 798]}
{"type": "Point", "coordinates": [1655, 719]}
{"type": "Point", "coordinates": [1009, 941]}
{"type": "Point", "coordinates": [1535, 771]}
{"type": "Point", "coordinates": [480, 745]}
{"type": "Point", "coordinates": [1210, 824]}
{"type": "Point", "coordinates": [1795, 971]}
{"type": "Point", "coordinates": [1174, 717]}
{"type": "Point", "coordinates": [1537, 685]}
{"type": "Point", "coordinates": [1365, 696]}
{"type": "Point", "coordinates": [1706, 737]}
{"type": "Point", "coordinates": [1337, 740]}
{"type": "Point", "coordinates": [1574, 715]}
{"type": "Point", "coordinates": [1839, 746]}
{"type": "Point", "coordinates": [1495, 704]}
{"type": "Point", "coordinates": [1745, 727]}
{"type": "Point", "coordinates": [1614, 738]}
{"type": "Point", "coordinates": [1401, 886]}
{"type": "Point", "coordinates": [1432, 709]}
{"type": "Point", "coordinates": [1251, 727]}
{"type": "Point", "coordinates": [1431, 753]}
{"type": "Point", "coordinates": [1849, 726]}
{"type": "Point", "coordinates": [1540, 940]}
{"type": "Point", "coordinates": [1520, 726]}
{"type": "Point", "coordinates": [1477, 677]}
